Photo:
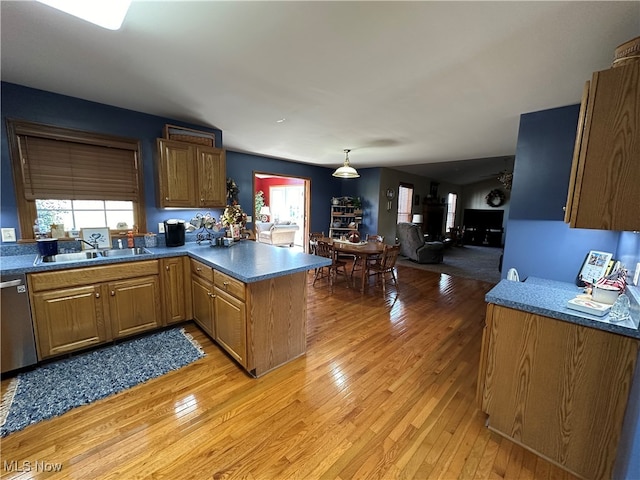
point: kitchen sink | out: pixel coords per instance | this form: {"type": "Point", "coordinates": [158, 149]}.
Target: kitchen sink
{"type": "Point", "coordinates": [90, 254]}
{"type": "Point", "coordinates": [124, 252]}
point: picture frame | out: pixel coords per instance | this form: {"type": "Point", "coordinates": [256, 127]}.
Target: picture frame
{"type": "Point", "coordinates": [594, 267]}
{"type": "Point", "coordinates": [91, 235]}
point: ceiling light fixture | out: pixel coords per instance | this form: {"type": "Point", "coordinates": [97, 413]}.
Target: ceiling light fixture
{"type": "Point", "coordinates": [104, 13]}
{"type": "Point", "coordinates": [346, 170]}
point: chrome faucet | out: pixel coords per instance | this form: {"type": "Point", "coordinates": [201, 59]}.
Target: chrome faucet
{"type": "Point", "coordinates": [93, 245]}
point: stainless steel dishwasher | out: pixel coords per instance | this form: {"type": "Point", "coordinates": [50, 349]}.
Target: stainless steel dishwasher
{"type": "Point", "coordinates": [18, 341]}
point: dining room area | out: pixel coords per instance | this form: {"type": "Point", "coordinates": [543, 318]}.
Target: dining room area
{"type": "Point", "coordinates": [359, 264]}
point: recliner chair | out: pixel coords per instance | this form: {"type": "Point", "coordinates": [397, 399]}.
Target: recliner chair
{"type": "Point", "coordinates": [413, 246]}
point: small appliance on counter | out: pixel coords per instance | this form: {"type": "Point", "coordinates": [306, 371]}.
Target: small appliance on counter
{"type": "Point", "coordinates": [174, 230]}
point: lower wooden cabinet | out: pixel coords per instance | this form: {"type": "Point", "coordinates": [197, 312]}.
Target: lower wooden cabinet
{"type": "Point", "coordinates": [219, 309]}
{"type": "Point", "coordinates": [83, 307]}
{"type": "Point", "coordinates": [202, 297]}
{"type": "Point", "coordinates": [557, 388]}
{"type": "Point", "coordinates": [68, 319]}
{"type": "Point", "coordinates": [134, 305]}
{"type": "Point", "coordinates": [175, 275]}
{"type": "Point", "coordinates": [262, 325]}
{"type": "Point", "coordinates": [231, 316]}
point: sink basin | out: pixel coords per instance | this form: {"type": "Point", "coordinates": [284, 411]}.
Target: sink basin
{"type": "Point", "coordinates": [67, 257]}
{"type": "Point", "coordinates": [124, 252]}
{"type": "Point", "coordinates": [90, 254]}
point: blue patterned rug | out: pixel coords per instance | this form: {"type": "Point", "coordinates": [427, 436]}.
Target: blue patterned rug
{"type": "Point", "coordinates": [57, 387]}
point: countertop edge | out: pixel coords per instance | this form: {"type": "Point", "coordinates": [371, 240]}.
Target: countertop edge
{"type": "Point", "coordinates": [24, 264]}
{"type": "Point", "coordinates": [549, 298]}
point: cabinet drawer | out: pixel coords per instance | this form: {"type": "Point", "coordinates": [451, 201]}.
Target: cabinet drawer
{"type": "Point", "coordinates": [230, 285]}
{"type": "Point", "coordinates": [91, 275]}
{"type": "Point", "coordinates": [202, 270]}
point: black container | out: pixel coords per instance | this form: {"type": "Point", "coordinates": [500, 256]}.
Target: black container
{"type": "Point", "coordinates": [174, 232]}
{"type": "Point", "coordinates": [47, 246]}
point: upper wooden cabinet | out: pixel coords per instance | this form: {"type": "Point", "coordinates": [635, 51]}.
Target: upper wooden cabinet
{"type": "Point", "coordinates": [605, 174]}
{"type": "Point", "coordinates": [190, 176]}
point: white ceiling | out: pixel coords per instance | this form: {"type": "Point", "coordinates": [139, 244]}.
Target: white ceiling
{"type": "Point", "coordinates": [406, 85]}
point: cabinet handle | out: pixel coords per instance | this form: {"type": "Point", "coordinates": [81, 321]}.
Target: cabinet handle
{"type": "Point", "coordinates": [198, 269]}
{"type": "Point", "coordinates": [202, 200]}
{"type": "Point", "coordinates": [212, 295]}
{"type": "Point", "coordinates": [113, 293]}
{"type": "Point", "coordinates": [97, 294]}
{"type": "Point", "coordinates": [167, 268]}
{"type": "Point", "coordinates": [226, 284]}
{"type": "Point", "coordinates": [166, 198]}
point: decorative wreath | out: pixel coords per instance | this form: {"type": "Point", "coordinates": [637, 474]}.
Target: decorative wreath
{"type": "Point", "coordinates": [495, 198]}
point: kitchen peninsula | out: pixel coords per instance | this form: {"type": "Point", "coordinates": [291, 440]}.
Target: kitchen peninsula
{"type": "Point", "coordinates": [555, 380]}
{"type": "Point", "coordinates": [250, 298]}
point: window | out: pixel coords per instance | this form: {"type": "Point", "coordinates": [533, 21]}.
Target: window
{"type": "Point", "coordinates": [452, 200]}
{"type": "Point", "coordinates": [80, 179]}
{"type": "Point", "coordinates": [77, 214]}
{"type": "Point", "coordinates": [405, 200]}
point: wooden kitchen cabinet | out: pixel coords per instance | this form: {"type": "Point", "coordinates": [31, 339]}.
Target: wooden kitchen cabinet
{"type": "Point", "coordinates": [557, 388]}
{"type": "Point", "coordinates": [134, 305]}
{"type": "Point", "coordinates": [202, 293]}
{"type": "Point", "coordinates": [68, 319]}
{"type": "Point", "coordinates": [190, 176]}
{"type": "Point", "coordinates": [83, 307]}
{"type": "Point", "coordinates": [605, 173]}
{"type": "Point", "coordinates": [230, 316]}
{"type": "Point", "coordinates": [175, 276]}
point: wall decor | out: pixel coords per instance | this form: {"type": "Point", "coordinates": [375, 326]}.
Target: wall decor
{"type": "Point", "coordinates": [95, 236]}
{"type": "Point", "coordinates": [495, 198]}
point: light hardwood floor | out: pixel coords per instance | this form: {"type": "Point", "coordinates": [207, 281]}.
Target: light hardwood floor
{"type": "Point", "coordinates": [386, 390]}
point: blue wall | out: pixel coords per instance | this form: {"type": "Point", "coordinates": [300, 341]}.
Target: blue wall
{"type": "Point", "coordinates": [543, 164]}
{"type": "Point", "coordinates": [538, 242]}
{"type": "Point", "coordinates": [547, 249]}
{"type": "Point", "coordinates": [19, 102]}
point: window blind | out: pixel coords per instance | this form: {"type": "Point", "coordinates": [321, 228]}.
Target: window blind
{"type": "Point", "coordinates": [60, 169]}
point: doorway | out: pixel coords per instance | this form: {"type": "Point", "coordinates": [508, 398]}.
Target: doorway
{"type": "Point", "coordinates": [288, 199]}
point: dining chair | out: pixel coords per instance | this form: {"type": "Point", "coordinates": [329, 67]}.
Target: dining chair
{"type": "Point", "coordinates": [370, 237]}
{"type": "Point", "coordinates": [313, 239]}
{"type": "Point", "coordinates": [386, 265]}
{"type": "Point", "coordinates": [325, 249]}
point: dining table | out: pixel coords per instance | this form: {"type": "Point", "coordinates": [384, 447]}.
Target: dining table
{"type": "Point", "coordinates": [362, 250]}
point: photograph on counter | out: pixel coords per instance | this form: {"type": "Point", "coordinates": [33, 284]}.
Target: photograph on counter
{"type": "Point", "coordinates": [595, 266]}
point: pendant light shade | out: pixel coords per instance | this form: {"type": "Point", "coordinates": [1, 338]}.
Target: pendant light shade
{"type": "Point", "coordinates": [346, 170]}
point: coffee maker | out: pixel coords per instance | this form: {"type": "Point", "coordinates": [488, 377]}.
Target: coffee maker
{"type": "Point", "coordinates": [174, 232]}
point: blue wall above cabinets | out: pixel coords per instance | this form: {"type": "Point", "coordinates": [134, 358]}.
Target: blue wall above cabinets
{"type": "Point", "coordinates": [543, 164]}
{"type": "Point", "coordinates": [25, 103]}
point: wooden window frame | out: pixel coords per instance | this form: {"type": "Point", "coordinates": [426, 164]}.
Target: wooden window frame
{"type": "Point", "coordinates": [27, 208]}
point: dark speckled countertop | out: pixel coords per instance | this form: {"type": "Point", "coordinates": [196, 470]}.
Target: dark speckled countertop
{"type": "Point", "coordinates": [246, 261]}
{"type": "Point", "coordinates": [550, 297]}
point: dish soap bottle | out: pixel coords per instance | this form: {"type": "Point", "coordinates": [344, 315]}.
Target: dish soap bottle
{"type": "Point", "coordinates": [130, 242]}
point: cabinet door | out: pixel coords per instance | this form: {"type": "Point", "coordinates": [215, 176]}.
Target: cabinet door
{"type": "Point", "coordinates": [231, 325]}
{"type": "Point", "coordinates": [605, 192]}
{"type": "Point", "coordinates": [176, 172]}
{"type": "Point", "coordinates": [134, 305]}
{"type": "Point", "coordinates": [558, 388]}
{"type": "Point", "coordinates": [211, 177]}
{"type": "Point", "coordinates": [202, 298]}
{"type": "Point", "coordinates": [68, 319]}
{"type": "Point", "coordinates": [176, 289]}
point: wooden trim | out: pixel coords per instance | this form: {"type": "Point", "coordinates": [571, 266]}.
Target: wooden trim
{"type": "Point", "coordinates": [26, 208]}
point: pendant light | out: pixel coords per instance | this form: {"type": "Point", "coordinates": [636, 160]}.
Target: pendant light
{"type": "Point", "coordinates": [346, 170]}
